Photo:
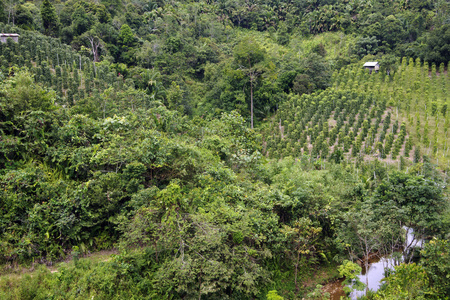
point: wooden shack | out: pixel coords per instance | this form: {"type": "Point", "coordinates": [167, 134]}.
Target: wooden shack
{"type": "Point", "coordinates": [4, 37]}
{"type": "Point", "coordinates": [372, 66]}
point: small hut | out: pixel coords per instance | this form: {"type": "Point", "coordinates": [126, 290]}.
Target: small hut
{"type": "Point", "coordinates": [4, 37]}
{"type": "Point", "coordinates": [371, 66]}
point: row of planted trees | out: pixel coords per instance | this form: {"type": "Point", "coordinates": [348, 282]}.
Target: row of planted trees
{"type": "Point", "coordinates": [333, 123]}
{"type": "Point", "coordinates": [417, 94]}
{"type": "Point", "coordinates": [55, 65]}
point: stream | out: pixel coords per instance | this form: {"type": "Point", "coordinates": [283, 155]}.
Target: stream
{"type": "Point", "coordinates": [375, 272]}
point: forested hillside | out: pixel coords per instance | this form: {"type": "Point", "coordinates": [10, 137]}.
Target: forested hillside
{"type": "Point", "coordinates": [223, 150]}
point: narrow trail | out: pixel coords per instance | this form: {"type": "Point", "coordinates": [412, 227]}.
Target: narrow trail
{"type": "Point", "coordinates": [18, 271]}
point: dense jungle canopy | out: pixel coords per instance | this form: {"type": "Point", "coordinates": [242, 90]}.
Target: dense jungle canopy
{"type": "Point", "coordinates": [223, 149]}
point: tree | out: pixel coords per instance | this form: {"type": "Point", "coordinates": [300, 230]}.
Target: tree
{"type": "Point", "coordinates": [248, 54]}
{"type": "Point", "coordinates": [11, 8]}
{"type": "Point", "coordinates": [417, 204]}
{"type": "Point", "coordinates": [302, 236]}
{"type": "Point", "coordinates": [361, 234]}
{"type": "Point", "coordinates": [407, 281]}
{"type": "Point", "coordinates": [50, 20]}
{"type": "Point", "coordinates": [389, 63]}
{"type": "Point", "coordinates": [444, 109]}
{"type": "Point", "coordinates": [3, 17]}
{"type": "Point", "coordinates": [303, 84]}
{"type": "Point", "coordinates": [350, 270]}
{"type": "Point", "coordinates": [438, 45]}
{"type": "Point", "coordinates": [126, 42]}
{"type": "Point", "coordinates": [436, 262]}
{"type": "Point", "coordinates": [21, 94]}
{"type": "Point", "coordinates": [95, 42]}
{"type": "Point", "coordinates": [81, 20]}
{"type": "Point", "coordinates": [392, 31]}
{"type": "Point", "coordinates": [273, 295]}
{"type": "Point", "coordinates": [317, 68]}
{"type": "Point", "coordinates": [24, 18]}
{"type": "Point", "coordinates": [201, 253]}
{"type": "Point", "coordinates": [365, 46]}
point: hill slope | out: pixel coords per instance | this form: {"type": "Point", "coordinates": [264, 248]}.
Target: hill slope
{"type": "Point", "coordinates": [367, 115]}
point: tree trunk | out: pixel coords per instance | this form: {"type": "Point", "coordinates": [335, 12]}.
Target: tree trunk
{"type": "Point", "coordinates": [366, 264]}
{"type": "Point", "coordinates": [296, 270]}
{"type": "Point", "coordinates": [200, 287]}
{"type": "Point", "coordinates": [251, 103]}
{"type": "Point", "coordinates": [94, 45]}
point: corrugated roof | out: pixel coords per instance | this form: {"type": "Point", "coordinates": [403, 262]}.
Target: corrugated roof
{"type": "Point", "coordinates": [9, 34]}
{"type": "Point", "coordinates": [370, 64]}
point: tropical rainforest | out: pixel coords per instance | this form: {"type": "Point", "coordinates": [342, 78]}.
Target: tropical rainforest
{"type": "Point", "coordinates": [229, 149]}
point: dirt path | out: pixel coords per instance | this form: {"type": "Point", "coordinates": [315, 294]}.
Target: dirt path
{"type": "Point", "coordinates": [18, 271]}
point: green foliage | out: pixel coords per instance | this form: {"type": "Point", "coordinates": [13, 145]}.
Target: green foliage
{"type": "Point", "coordinates": [409, 194]}
{"type": "Point", "coordinates": [437, 45]}
{"type": "Point", "coordinates": [112, 280]}
{"type": "Point", "coordinates": [318, 293]}
{"type": "Point", "coordinates": [436, 265]}
{"type": "Point", "coordinates": [350, 271]}
{"type": "Point", "coordinates": [407, 281]}
{"type": "Point", "coordinates": [248, 53]}
{"type": "Point", "coordinates": [92, 159]}
{"type": "Point", "coordinates": [21, 95]}
{"type": "Point", "coordinates": [126, 43]}
{"type": "Point", "coordinates": [50, 19]}
{"type": "Point", "coordinates": [273, 295]}
{"type": "Point", "coordinates": [302, 236]}
{"type": "Point", "coordinates": [365, 46]}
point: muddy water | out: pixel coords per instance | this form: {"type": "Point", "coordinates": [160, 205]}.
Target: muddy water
{"type": "Point", "coordinates": [335, 290]}
{"type": "Point", "coordinates": [372, 277]}
{"type": "Point", "coordinates": [374, 274]}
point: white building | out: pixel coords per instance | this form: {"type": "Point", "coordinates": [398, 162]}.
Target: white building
{"type": "Point", "coordinates": [372, 65]}
{"type": "Point", "coordinates": [5, 36]}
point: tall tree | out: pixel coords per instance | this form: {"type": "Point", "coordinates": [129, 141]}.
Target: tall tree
{"type": "Point", "coordinates": [126, 42]}
{"type": "Point", "coordinates": [50, 19]}
{"type": "Point", "coordinates": [96, 43]}
{"type": "Point", "coordinates": [247, 55]}
{"type": "Point", "coordinates": [11, 8]}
